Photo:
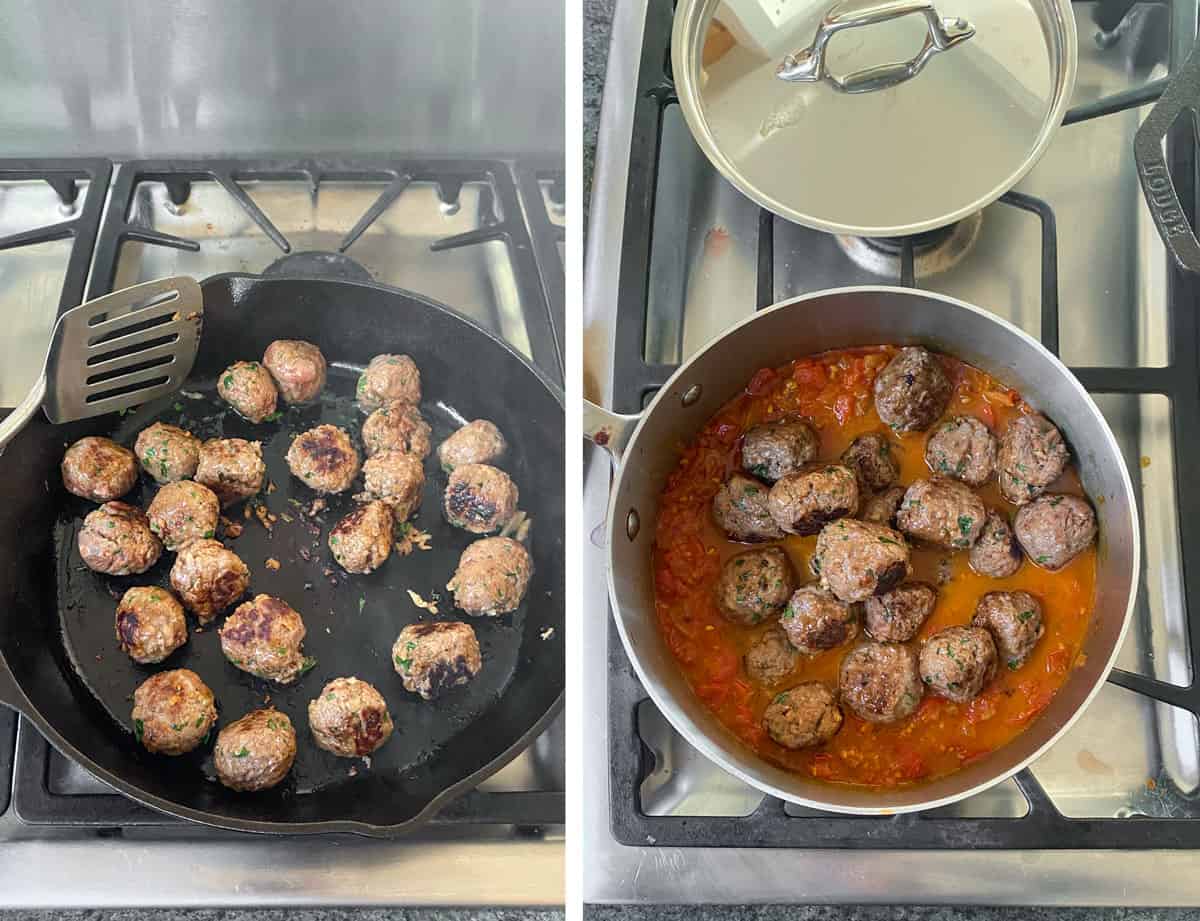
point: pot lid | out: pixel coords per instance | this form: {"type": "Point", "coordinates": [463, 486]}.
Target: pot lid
{"type": "Point", "coordinates": [874, 117]}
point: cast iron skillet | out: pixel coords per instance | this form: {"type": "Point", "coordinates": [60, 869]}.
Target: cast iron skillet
{"type": "Point", "coordinates": [59, 661]}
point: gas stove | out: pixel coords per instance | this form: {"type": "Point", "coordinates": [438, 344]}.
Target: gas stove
{"type": "Point", "coordinates": [1111, 813]}
{"type": "Point", "coordinates": [483, 235]}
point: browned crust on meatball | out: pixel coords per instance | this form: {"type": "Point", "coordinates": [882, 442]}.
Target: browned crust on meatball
{"type": "Point", "coordinates": [1031, 456]}
{"type": "Point", "coordinates": [803, 503]}
{"type": "Point", "coordinates": [149, 624]}
{"type": "Point", "coordinates": [182, 512]}
{"type": "Point", "coordinates": [477, 442]}
{"type": "Point", "coordinates": [881, 682]}
{"type": "Point", "coordinates": [232, 468]}
{"type": "Point", "coordinates": [265, 638]}
{"type": "Point", "coordinates": [996, 553]}
{"type": "Point", "coordinates": [1054, 529]}
{"type": "Point", "coordinates": [397, 427]}
{"type": "Point", "coordinates": [957, 662]}
{"type": "Point", "coordinates": [116, 539]}
{"type": "Point", "coordinates": [173, 712]}
{"type": "Point", "coordinates": [740, 509]}
{"type": "Point", "coordinates": [858, 559]}
{"type": "Point", "coordinates": [897, 616]}
{"type": "Point", "coordinates": [362, 541]}
{"type": "Point", "coordinates": [208, 578]}
{"type": "Point", "coordinates": [942, 511]}
{"type": "Point", "coordinates": [99, 469]}
{"type": "Point", "coordinates": [771, 450]}
{"type": "Point", "coordinates": [167, 452]}
{"type": "Point", "coordinates": [912, 390]}
{"type": "Point", "coordinates": [492, 577]}
{"type": "Point", "coordinates": [1015, 621]}
{"type": "Point", "coordinates": [815, 620]}
{"type": "Point", "coordinates": [324, 458]}
{"type": "Point", "coordinates": [255, 752]}
{"type": "Point", "coordinates": [963, 448]}
{"type": "Point", "coordinates": [802, 717]}
{"type": "Point", "coordinates": [249, 388]}
{"type": "Point", "coordinates": [870, 457]}
{"type": "Point", "coordinates": [350, 718]}
{"type": "Point", "coordinates": [432, 658]}
{"type": "Point", "coordinates": [397, 479]}
{"type": "Point", "coordinates": [755, 585]}
{"type": "Point", "coordinates": [480, 498]}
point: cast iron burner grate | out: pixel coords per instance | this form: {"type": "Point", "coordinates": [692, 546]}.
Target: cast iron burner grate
{"type": "Point", "coordinates": [770, 825]}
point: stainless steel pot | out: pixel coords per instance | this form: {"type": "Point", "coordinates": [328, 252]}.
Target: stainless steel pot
{"type": "Point", "coordinates": [645, 449]}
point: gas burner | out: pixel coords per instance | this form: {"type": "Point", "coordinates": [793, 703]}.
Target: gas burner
{"type": "Point", "coordinates": [315, 264]}
{"type": "Point", "coordinates": [934, 251]}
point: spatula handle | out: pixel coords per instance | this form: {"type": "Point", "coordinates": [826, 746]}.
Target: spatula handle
{"type": "Point", "coordinates": [19, 417]}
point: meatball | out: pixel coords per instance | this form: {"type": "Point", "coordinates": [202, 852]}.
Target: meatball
{"type": "Point", "coordinates": [870, 457]}
{"type": "Point", "coordinates": [248, 387]}
{"type": "Point", "coordinates": [957, 662]}
{"type": "Point", "coordinates": [740, 510]}
{"type": "Point", "coordinates": [397, 427]}
{"type": "Point", "coordinates": [362, 541]}
{"type": "Point", "coordinates": [397, 479]}
{"type": "Point", "coordinates": [492, 576]}
{"type": "Point", "coordinates": [897, 616]}
{"type": "Point", "coordinates": [880, 682]}
{"type": "Point", "coordinates": [478, 442]}
{"type": "Point", "coordinates": [1032, 455]}
{"type": "Point", "coordinates": [173, 712]}
{"type": "Point", "coordinates": [479, 498]}
{"type": "Point", "coordinates": [996, 552]}
{"type": "Point", "coordinates": [912, 391]}
{"type": "Point", "coordinates": [963, 448]}
{"type": "Point", "coordinates": [772, 450]}
{"type": "Point", "coordinates": [264, 637]}
{"type": "Point", "coordinates": [1054, 529]}
{"type": "Point", "coordinates": [232, 468]}
{"type": "Point", "coordinates": [755, 585]}
{"type": "Point", "coordinates": [771, 657]}
{"type": "Point", "coordinates": [433, 657]}
{"type": "Point", "coordinates": [815, 620]}
{"type": "Point", "coordinates": [1014, 620]}
{"type": "Point", "coordinates": [388, 379]}
{"type": "Point", "coordinates": [803, 716]}
{"type": "Point", "coordinates": [167, 452]}
{"type": "Point", "coordinates": [116, 539]}
{"type": "Point", "coordinates": [881, 508]}
{"type": "Point", "coordinates": [208, 578]}
{"type": "Point", "coordinates": [802, 503]}
{"type": "Point", "coordinates": [349, 718]}
{"type": "Point", "coordinates": [150, 624]}
{"type": "Point", "coordinates": [99, 469]}
{"type": "Point", "coordinates": [324, 458]}
{"type": "Point", "coordinates": [182, 512]}
{"type": "Point", "coordinates": [857, 559]}
{"type": "Point", "coordinates": [255, 752]}
{"type": "Point", "coordinates": [298, 369]}
{"type": "Point", "coordinates": [942, 511]}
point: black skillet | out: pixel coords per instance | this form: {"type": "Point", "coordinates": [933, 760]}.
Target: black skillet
{"type": "Point", "coordinates": [59, 662]}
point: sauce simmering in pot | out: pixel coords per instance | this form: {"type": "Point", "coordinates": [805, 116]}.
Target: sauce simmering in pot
{"type": "Point", "coordinates": [833, 391]}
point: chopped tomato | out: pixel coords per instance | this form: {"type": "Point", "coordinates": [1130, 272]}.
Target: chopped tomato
{"type": "Point", "coordinates": [810, 374]}
{"type": "Point", "coordinates": [763, 379]}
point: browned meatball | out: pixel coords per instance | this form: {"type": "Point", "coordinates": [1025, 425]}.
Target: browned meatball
{"type": "Point", "coordinates": [232, 468]}
{"type": "Point", "coordinates": [957, 662]}
{"type": "Point", "coordinates": [755, 585]}
{"type": "Point", "coordinates": [1032, 455]}
{"type": "Point", "coordinates": [492, 576]}
{"type": "Point", "coordinates": [324, 458]}
{"type": "Point", "coordinates": [208, 578]}
{"type": "Point", "coordinates": [434, 657]}
{"type": "Point", "coordinates": [298, 369]}
{"type": "Point", "coordinates": [963, 448]}
{"type": "Point", "coordinates": [771, 450]}
{"type": "Point", "coordinates": [803, 503]}
{"type": "Point", "coordinates": [815, 620]}
{"type": "Point", "coordinates": [479, 498]}
{"type": "Point", "coordinates": [248, 387]}
{"type": "Point", "coordinates": [116, 539]}
{"type": "Point", "coordinates": [397, 427]}
{"type": "Point", "coordinates": [98, 469]}
{"type": "Point", "coordinates": [167, 452]}
{"type": "Point", "coordinates": [478, 442]}
{"type": "Point", "coordinates": [870, 457]}
{"type": "Point", "coordinates": [803, 716]}
{"type": "Point", "coordinates": [1054, 529]}
{"type": "Point", "coordinates": [912, 391]}
{"type": "Point", "coordinates": [996, 553]}
{"type": "Point", "coordinates": [150, 624]}
{"type": "Point", "coordinates": [942, 511]}
{"type": "Point", "coordinates": [881, 508]}
{"type": "Point", "coordinates": [880, 682]}
{"type": "Point", "coordinates": [897, 616]}
{"type": "Point", "coordinates": [388, 379]}
{"type": "Point", "coordinates": [349, 718]}
{"type": "Point", "coordinates": [857, 559]}
{"type": "Point", "coordinates": [740, 510]}
{"type": "Point", "coordinates": [771, 657]}
{"type": "Point", "coordinates": [362, 541]}
{"type": "Point", "coordinates": [182, 512]}
{"type": "Point", "coordinates": [1014, 620]}
{"type": "Point", "coordinates": [173, 712]}
{"type": "Point", "coordinates": [397, 479]}
{"type": "Point", "coordinates": [264, 637]}
{"type": "Point", "coordinates": [255, 752]}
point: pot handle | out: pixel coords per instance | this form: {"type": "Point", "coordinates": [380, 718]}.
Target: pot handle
{"type": "Point", "coordinates": [808, 64]}
{"type": "Point", "coordinates": [11, 425]}
{"type": "Point", "coordinates": [1181, 94]}
{"type": "Point", "coordinates": [607, 429]}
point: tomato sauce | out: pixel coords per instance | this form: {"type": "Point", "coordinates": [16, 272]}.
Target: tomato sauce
{"type": "Point", "coordinates": [833, 391]}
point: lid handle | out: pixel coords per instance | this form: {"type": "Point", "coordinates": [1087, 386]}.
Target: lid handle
{"type": "Point", "coordinates": [808, 64]}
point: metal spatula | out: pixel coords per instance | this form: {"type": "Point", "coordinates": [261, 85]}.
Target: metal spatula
{"type": "Point", "coordinates": [116, 352]}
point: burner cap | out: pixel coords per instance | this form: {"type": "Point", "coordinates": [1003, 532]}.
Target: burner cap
{"type": "Point", "coordinates": [315, 264]}
{"type": "Point", "coordinates": [934, 251]}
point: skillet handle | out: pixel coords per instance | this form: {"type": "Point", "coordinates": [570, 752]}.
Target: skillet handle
{"type": "Point", "coordinates": [11, 694]}
{"type": "Point", "coordinates": [11, 425]}
{"type": "Point", "coordinates": [607, 429]}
